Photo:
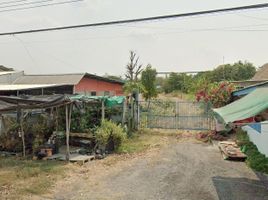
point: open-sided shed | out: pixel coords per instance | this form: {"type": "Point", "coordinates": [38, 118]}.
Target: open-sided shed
{"type": "Point", "coordinates": [28, 103]}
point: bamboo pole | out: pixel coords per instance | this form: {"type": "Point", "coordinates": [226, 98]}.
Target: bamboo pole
{"type": "Point", "coordinates": [22, 134]}
{"type": "Point", "coordinates": [102, 110]}
{"type": "Point", "coordinates": [57, 120]}
{"type": "Point", "coordinates": [124, 113]}
{"type": "Point", "coordinates": [67, 133]}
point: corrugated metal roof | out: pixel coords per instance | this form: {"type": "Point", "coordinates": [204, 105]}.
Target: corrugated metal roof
{"type": "Point", "coordinates": [249, 89]}
{"type": "Point", "coordinates": [63, 79]}
{"type": "Point", "coordinates": [8, 72]}
{"type": "Point", "coordinates": [262, 73]}
{"type": "Point", "coordinates": [104, 78]}
{"type": "Point", "coordinates": [15, 87]}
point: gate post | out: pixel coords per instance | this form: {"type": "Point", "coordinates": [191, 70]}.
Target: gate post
{"type": "Point", "coordinates": [176, 119]}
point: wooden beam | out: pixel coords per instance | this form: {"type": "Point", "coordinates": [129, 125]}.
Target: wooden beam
{"type": "Point", "coordinates": [22, 133]}
{"type": "Point", "coordinates": [102, 110]}
{"type": "Point", "coordinates": [67, 132]}
{"type": "Point", "coordinates": [124, 112]}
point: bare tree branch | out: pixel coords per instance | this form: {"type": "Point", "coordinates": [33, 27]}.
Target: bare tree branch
{"type": "Point", "coordinates": [133, 69]}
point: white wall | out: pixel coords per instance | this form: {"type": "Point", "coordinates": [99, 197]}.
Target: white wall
{"type": "Point", "coordinates": [259, 139]}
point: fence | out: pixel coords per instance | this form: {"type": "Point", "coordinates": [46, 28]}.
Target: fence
{"type": "Point", "coordinates": [186, 115]}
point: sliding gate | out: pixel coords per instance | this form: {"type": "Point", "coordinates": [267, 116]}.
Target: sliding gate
{"type": "Point", "coordinates": [187, 115]}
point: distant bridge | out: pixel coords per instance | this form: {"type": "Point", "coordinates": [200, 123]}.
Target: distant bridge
{"type": "Point", "coordinates": [189, 72]}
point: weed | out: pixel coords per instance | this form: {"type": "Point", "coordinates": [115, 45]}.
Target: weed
{"type": "Point", "coordinates": [29, 177]}
{"type": "Point", "coordinates": [255, 159]}
{"type": "Point", "coordinates": [141, 141]}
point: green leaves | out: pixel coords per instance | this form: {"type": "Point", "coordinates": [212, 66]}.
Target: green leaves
{"type": "Point", "coordinates": [148, 81]}
{"type": "Point", "coordinates": [218, 94]}
{"type": "Point", "coordinates": [109, 134]}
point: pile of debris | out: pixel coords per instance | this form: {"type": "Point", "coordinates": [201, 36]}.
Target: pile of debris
{"type": "Point", "coordinates": [231, 151]}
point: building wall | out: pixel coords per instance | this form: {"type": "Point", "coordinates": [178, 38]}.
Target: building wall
{"type": "Point", "coordinates": [260, 139]}
{"type": "Point", "coordinates": [89, 85]}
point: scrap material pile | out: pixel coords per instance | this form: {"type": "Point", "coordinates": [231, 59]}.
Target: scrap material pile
{"type": "Point", "coordinates": [231, 151]}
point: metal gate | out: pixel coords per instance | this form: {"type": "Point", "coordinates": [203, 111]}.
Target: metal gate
{"type": "Point", "coordinates": [187, 115]}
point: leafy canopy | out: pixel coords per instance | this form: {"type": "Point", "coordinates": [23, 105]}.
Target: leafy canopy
{"type": "Point", "coordinates": [148, 80]}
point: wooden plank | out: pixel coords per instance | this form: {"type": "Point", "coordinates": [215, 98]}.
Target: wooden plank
{"type": "Point", "coordinates": [73, 158]}
{"type": "Point", "coordinates": [230, 150]}
{"type": "Point", "coordinates": [83, 135]}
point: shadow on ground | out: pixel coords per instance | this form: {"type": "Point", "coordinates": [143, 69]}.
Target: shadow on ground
{"type": "Point", "coordinates": [240, 188]}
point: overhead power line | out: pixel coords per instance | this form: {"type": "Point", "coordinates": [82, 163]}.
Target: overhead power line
{"type": "Point", "coordinates": [249, 7]}
{"type": "Point", "coordinates": [39, 6]}
{"type": "Point", "coordinates": [10, 2]}
{"type": "Point", "coordinates": [25, 4]}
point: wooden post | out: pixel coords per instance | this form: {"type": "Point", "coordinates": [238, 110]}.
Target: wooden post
{"type": "Point", "coordinates": [124, 113]}
{"type": "Point", "coordinates": [57, 119]}
{"type": "Point", "coordinates": [67, 133]}
{"type": "Point", "coordinates": [22, 134]}
{"type": "Point", "coordinates": [132, 115]}
{"type": "Point", "coordinates": [102, 110]}
{"type": "Point", "coordinates": [138, 110]}
{"type": "Point", "coordinates": [176, 113]}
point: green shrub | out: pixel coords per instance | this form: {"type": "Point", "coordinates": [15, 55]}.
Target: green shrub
{"type": "Point", "coordinates": [255, 159]}
{"type": "Point", "coordinates": [110, 135]}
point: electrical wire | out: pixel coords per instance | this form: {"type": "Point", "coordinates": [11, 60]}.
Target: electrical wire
{"type": "Point", "coordinates": [129, 21]}
{"type": "Point", "coordinates": [253, 17]}
{"type": "Point", "coordinates": [10, 2]}
{"type": "Point", "coordinates": [39, 6]}
{"type": "Point", "coordinates": [23, 4]}
{"type": "Point", "coordinates": [223, 29]}
{"type": "Point", "coordinates": [27, 51]}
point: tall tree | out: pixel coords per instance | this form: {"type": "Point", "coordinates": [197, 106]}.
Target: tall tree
{"type": "Point", "coordinates": [234, 72]}
{"type": "Point", "coordinates": [148, 80]}
{"type": "Point", "coordinates": [133, 67]}
{"type": "Point", "coordinates": [178, 82]}
{"type": "Point", "coordinates": [133, 70]}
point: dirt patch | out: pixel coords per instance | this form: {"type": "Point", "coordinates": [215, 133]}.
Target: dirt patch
{"type": "Point", "coordinates": [181, 169]}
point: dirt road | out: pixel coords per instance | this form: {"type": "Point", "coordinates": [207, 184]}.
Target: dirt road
{"type": "Point", "coordinates": [181, 170]}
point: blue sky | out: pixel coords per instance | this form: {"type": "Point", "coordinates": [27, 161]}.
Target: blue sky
{"type": "Point", "coordinates": [169, 45]}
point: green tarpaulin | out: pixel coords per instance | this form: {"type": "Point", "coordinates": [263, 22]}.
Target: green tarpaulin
{"type": "Point", "coordinates": [109, 101]}
{"type": "Point", "coordinates": [248, 106]}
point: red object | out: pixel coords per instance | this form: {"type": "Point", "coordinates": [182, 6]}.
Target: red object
{"type": "Point", "coordinates": [87, 85]}
{"type": "Point", "coordinates": [248, 120]}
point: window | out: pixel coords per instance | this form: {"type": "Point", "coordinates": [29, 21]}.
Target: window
{"type": "Point", "coordinates": [93, 93]}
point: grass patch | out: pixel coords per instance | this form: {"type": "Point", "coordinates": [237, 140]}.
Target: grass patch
{"type": "Point", "coordinates": [255, 159]}
{"type": "Point", "coordinates": [24, 177]}
{"type": "Point", "coordinates": [143, 140]}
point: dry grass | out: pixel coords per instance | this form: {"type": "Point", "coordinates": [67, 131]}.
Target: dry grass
{"type": "Point", "coordinates": [22, 178]}
{"type": "Point", "coordinates": [146, 139]}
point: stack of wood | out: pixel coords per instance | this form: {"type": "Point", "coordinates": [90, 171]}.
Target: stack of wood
{"type": "Point", "coordinates": [231, 151]}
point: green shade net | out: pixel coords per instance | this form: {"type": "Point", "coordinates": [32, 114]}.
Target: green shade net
{"type": "Point", "coordinates": [108, 101]}
{"type": "Point", "coordinates": [248, 106]}
{"type": "Point", "coordinates": [113, 101]}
